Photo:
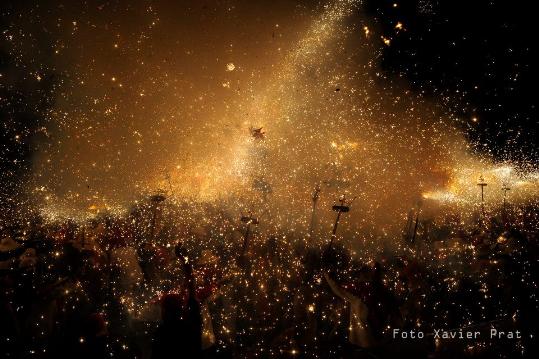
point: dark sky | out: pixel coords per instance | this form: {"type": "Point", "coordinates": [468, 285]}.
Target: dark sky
{"type": "Point", "coordinates": [480, 53]}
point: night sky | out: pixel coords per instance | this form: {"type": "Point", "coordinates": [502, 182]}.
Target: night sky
{"type": "Point", "coordinates": [478, 54]}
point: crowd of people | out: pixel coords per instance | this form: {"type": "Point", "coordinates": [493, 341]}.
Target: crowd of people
{"type": "Point", "coordinates": [142, 287]}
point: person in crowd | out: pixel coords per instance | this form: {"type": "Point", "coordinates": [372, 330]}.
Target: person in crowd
{"type": "Point", "coordinates": [360, 332]}
{"type": "Point", "coordinates": [182, 323]}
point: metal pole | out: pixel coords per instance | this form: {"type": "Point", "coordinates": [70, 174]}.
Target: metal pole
{"type": "Point", "coordinates": [415, 227]}
{"type": "Point", "coordinates": [339, 209]}
{"type": "Point", "coordinates": [248, 220]}
{"type": "Point", "coordinates": [333, 234]}
{"type": "Point", "coordinates": [153, 220]}
{"type": "Point", "coordinates": [505, 188]}
{"type": "Point", "coordinates": [155, 200]}
{"type": "Point", "coordinates": [482, 184]}
{"type": "Point", "coordinates": [316, 195]}
{"type": "Point", "coordinates": [246, 238]}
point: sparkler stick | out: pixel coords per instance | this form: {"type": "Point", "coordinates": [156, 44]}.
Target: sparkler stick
{"type": "Point", "coordinates": [408, 228]}
{"type": "Point", "coordinates": [248, 220]}
{"type": "Point", "coordinates": [412, 225]}
{"type": "Point", "coordinates": [315, 196]}
{"type": "Point", "coordinates": [482, 184]}
{"type": "Point", "coordinates": [342, 208]}
{"type": "Point", "coordinates": [505, 189]}
{"type": "Point", "coordinates": [187, 267]}
{"type": "Point", "coordinates": [155, 200]}
{"type": "Point", "coordinates": [167, 177]}
{"type": "Point", "coordinates": [415, 227]}
{"type": "Point", "coordinates": [416, 221]}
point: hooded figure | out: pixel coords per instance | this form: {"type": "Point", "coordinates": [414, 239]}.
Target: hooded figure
{"type": "Point", "coordinates": [179, 335]}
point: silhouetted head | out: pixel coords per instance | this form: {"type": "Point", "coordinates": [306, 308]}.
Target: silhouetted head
{"type": "Point", "coordinates": [95, 325]}
{"type": "Point", "coordinates": [171, 307]}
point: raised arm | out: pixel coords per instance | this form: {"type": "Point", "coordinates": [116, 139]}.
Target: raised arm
{"type": "Point", "coordinates": [338, 290]}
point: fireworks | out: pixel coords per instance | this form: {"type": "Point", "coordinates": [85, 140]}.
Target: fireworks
{"type": "Point", "coordinates": [325, 88]}
{"type": "Point", "coordinates": [167, 140]}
